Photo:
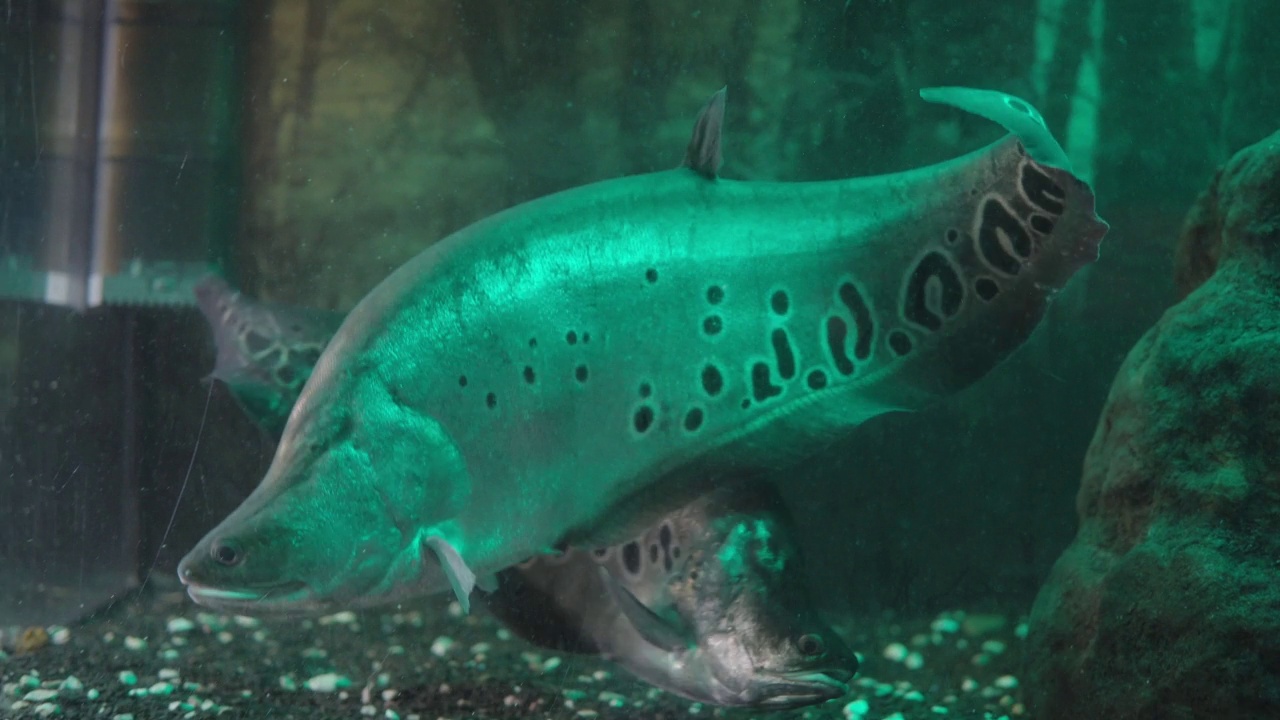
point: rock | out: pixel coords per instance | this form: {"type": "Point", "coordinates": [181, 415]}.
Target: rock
{"type": "Point", "coordinates": [1167, 603]}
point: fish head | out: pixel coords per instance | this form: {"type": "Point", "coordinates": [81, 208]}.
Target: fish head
{"type": "Point", "coordinates": [339, 520]}
{"type": "Point", "coordinates": [758, 623]}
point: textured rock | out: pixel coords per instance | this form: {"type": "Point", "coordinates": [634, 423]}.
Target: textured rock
{"type": "Point", "coordinates": [1167, 604]}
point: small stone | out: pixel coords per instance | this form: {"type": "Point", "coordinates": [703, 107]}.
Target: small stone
{"type": "Point", "coordinates": [59, 635]}
{"type": "Point", "coordinates": [857, 709]}
{"type": "Point", "coordinates": [914, 696]}
{"type": "Point", "coordinates": [993, 647]}
{"type": "Point", "coordinates": [128, 677]}
{"type": "Point", "coordinates": [328, 682]}
{"type": "Point", "coordinates": [913, 661]}
{"type": "Point", "coordinates": [551, 663]}
{"type": "Point", "coordinates": [178, 625]}
{"type": "Point", "coordinates": [161, 688]}
{"type": "Point", "coordinates": [442, 645]}
{"type": "Point", "coordinates": [93, 694]}
{"type": "Point", "coordinates": [895, 652]}
{"type": "Point", "coordinates": [39, 696]}
{"type": "Point", "coordinates": [939, 710]}
{"type": "Point", "coordinates": [135, 643]}
{"type": "Point", "coordinates": [245, 621]}
{"type": "Point", "coordinates": [167, 674]}
{"type": "Point", "coordinates": [47, 710]}
{"type": "Point", "coordinates": [1006, 682]}
{"type": "Point", "coordinates": [122, 716]}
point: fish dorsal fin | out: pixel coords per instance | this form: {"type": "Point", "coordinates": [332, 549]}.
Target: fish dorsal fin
{"type": "Point", "coordinates": [655, 629]}
{"type": "Point", "coordinates": [703, 154]}
{"type": "Point", "coordinates": [1012, 113]}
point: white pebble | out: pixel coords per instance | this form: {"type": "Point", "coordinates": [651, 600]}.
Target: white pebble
{"type": "Point", "coordinates": [969, 685]}
{"type": "Point", "coordinates": [441, 645]}
{"type": "Point", "coordinates": [122, 716]}
{"type": "Point", "coordinates": [368, 710]}
{"type": "Point", "coordinates": [59, 635]}
{"type": "Point", "coordinates": [128, 677]}
{"type": "Point", "coordinates": [945, 625]}
{"type": "Point", "coordinates": [328, 682]}
{"type": "Point", "coordinates": [135, 643]}
{"type": "Point", "coordinates": [913, 661]}
{"type": "Point", "coordinates": [72, 684]}
{"type": "Point", "coordinates": [39, 696]}
{"type": "Point", "coordinates": [1006, 682]}
{"type": "Point", "coordinates": [167, 674]}
{"type": "Point", "coordinates": [857, 709]}
{"type": "Point", "coordinates": [47, 709]}
{"type": "Point", "coordinates": [1021, 631]}
{"type": "Point", "coordinates": [914, 696]}
{"type": "Point", "coordinates": [161, 688]}
{"type": "Point", "coordinates": [895, 716]}
{"type": "Point", "coordinates": [895, 652]}
{"type": "Point", "coordinates": [994, 647]}
{"type": "Point", "coordinates": [245, 621]}
{"type": "Point", "coordinates": [939, 710]}
{"type": "Point", "coordinates": [346, 617]}
{"type": "Point", "coordinates": [180, 625]}
{"type": "Point", "coordinates": [551, 663]}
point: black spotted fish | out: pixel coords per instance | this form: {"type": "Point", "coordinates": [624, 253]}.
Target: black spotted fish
{"type": "Point", "coordinates": [265, 352]}
{"type": "Point", "coordinates": [573, 367]}
{"type": "Point", "coordinates": [710, 603]}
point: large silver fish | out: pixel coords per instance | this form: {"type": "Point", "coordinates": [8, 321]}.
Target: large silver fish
{"type": "Point", "coordinates": [572, 367]}
{"type": "Point", "coordinates": [710, 603]}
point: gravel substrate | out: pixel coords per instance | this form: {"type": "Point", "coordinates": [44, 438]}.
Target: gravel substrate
{"type": "Point", "coordinates": [159, 656]}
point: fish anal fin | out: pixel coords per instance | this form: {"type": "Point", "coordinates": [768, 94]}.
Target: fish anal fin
{"type": "Point", "coordinates": [703, 153]}
{"type": "Point", "coordinates": [460, 577]}
{"type": "Point", "coordinates": [651, 626]}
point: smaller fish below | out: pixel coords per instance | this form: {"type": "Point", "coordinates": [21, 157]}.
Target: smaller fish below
{"type": "Point", "coordinates": [265, 352]}
{"type": "Point", "coordinates": [709, 603]}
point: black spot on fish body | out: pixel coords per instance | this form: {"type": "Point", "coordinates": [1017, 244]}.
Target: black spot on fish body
{"type": "Point", "coordinates": [693, 419]}
{"type": "Point", "coordinates": [712, 325]}
{"type": "Point", "coordinates": [286, 375]}
{"type": "Point", "coordinates": [601, 552]}
{"type": "Point", "coordinates": [783, 353]}
{"type": "Point", "coordinates": [932, 267]}
{"type": "Point", "coordinates": [462, 381]}
{"type": "Point", "coordinates": [643, 419]}
{"type": "Point", "coordinates": [664, 535]}
{"type": "Point", "coordinates": [715, 295]}
{"type": "Point", "coordinates": [571, 337]}
{"type": "Point", "coordinates": [646, 389]}
{"type": "Point", "coordinates": [779, 302]}
{"type": "Point", "coordinates": [653, 554]}
{"type": "Point", "coordinates": [1042, 224]}
{"type": "Point", "coordinates": [862, 321]}
{"type": "Point", "coordinates": [580, 373]}
{"type": "Point", "coordinates": [255, 342]}
{"type": "Point", "coordinates": [900, 342]}
{"type": "Point", "coordinates": [762, 387]}
{"type": "Point", "coordinates": [837, 332]}
{"type": "Point", "coordinates": [631, 557]}
{"type": "Point", "coordinates": [712, 380]}
{"type": "Point", "coordinates": [746, 403]}
{"type": "Point", "coordinates": [952, 236]}
{"type": "Point", "coordinates": [675, 552]}
{"type": "Point", "coordinates": [651, 275]}
{"type": "Point", "coordinates": [1041, 190]}
{"type": "Point", "coordinates": [986, 288]}
{"type": "Point", "coordinates": [533, 343]}
{"type": "Point", "coordinates": [997, 220]}
{"type": "Point", "coordinates": [817, 379]}
{"type": "Point", "coordinates": [491, 400]}
{"type": "Point", "coordinates": [529, 376]}
{"type": "Point", "coordinates": [586, 338]}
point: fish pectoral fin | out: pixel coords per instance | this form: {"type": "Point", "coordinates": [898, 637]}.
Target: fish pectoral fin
{"type": "Point", "coordinates": [487, 582]}
{"type": "Point", "coordinates": [655, 629]}
{"type": "Point", "coordinates": [461, 579]}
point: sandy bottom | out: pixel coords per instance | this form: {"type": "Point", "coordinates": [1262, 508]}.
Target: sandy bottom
{"type": "Point", "coordinates": [157, 655]}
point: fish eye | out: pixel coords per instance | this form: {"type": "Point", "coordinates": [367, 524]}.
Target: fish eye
{"type": "Point", "coordinates": [811, 645]}
{"type": "Point", "coordinates": [226, 553]}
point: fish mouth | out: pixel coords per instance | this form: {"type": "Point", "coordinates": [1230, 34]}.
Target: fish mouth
{"type": "Point", "coordinates": [259, 599]}
{"type": "Point", "coordinates": [808, 688]}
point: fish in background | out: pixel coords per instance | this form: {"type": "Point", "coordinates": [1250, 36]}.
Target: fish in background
{"type": "Point", "coordinates": [265, 352]}
{"type": "Point", "coordinates": [710, 603]}
{"type": "Point", "coordinates": [575, 367]}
